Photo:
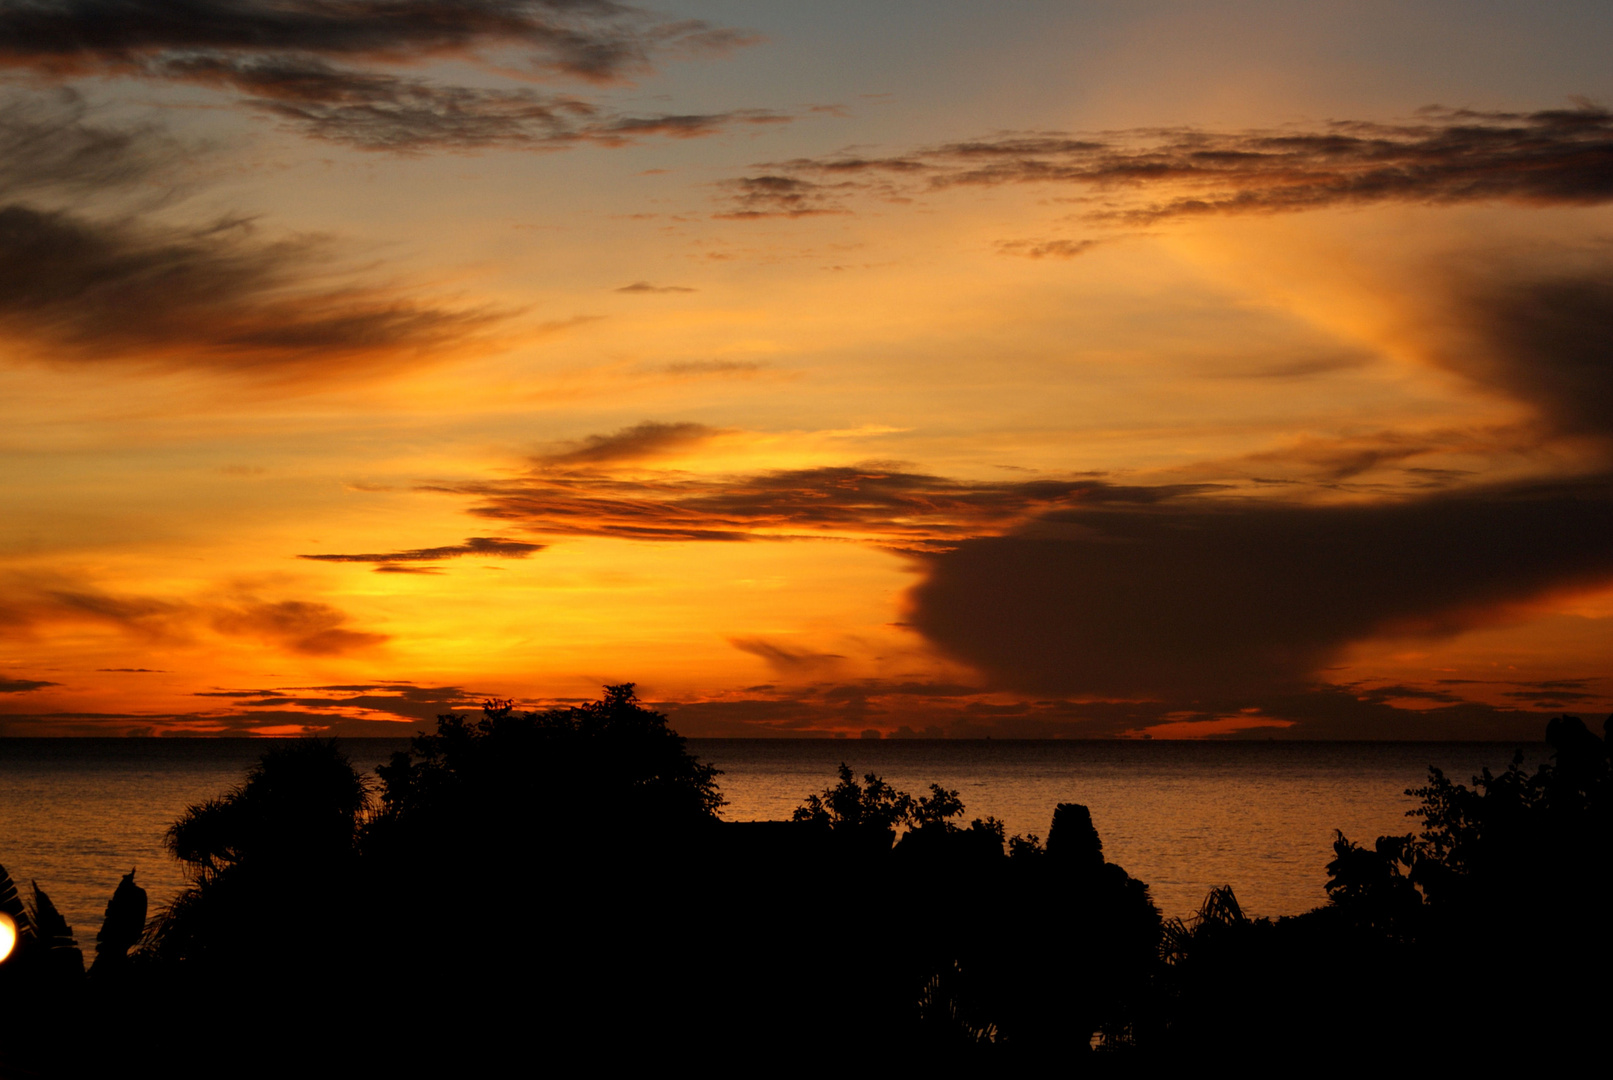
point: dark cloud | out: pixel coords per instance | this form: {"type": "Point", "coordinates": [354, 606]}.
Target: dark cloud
{"type": "Point", "coordinates": [278, 57]}
{"type": "Point", "coordinates": [963, 712]}
{"type": "Point", "coordinates": [590, 39]}
{"type": "Point", "coordinates": [637, 443]}
{"type": "Point", "coordinates": [87, 291]}
{"type": "Point", "coordinates": [1550, 157]}
{"type": "Point", "coordinates": [646, 287]}
{"type": "Point", "coordinates": [486, 546]}
{"type": "Point", "coordinates": [1203, 596]}
{"type": "Point", "coordinates": [22, 686]}
{"type": "Point", "coordinates": [879, 502]}
{"type": "Point", "coordinates": [1542, 337]}
{"type": "Point", "coordinates": [412, 702]}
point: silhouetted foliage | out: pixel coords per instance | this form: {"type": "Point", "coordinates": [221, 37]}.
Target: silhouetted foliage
{"type": "Point", "coordinates": [289, 830]}
{"type": "Point", "coordinates": [121, 927]}
{"type": "Point", "coordinates": [605, 763]}
{"type": "Point", "coordinates": [872, 805]}
{"type": "Point", "coordinates": [1498, 869]}
{"type": "Point", "coordinates": [568, 866]}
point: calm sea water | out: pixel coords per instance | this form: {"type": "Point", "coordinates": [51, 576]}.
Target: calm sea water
{"type": "Point", "coordinates": [1185, 817]}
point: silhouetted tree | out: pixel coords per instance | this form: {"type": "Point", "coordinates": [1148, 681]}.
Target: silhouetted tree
{"type": "Point", "coordinates": [275, 902]}
{"type": "Point", "coordinates": [574, 841]}
{"type": "Point", "coordinates": [605, 764]}
{"type": "Point", "coordinates": [871, 805]}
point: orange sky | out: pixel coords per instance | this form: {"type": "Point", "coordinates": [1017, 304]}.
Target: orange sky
{"type": "Point", "coordinates": [1074, 370]}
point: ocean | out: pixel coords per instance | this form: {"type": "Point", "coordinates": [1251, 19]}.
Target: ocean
{"type": "Point", "coordinates": [1185, 817]}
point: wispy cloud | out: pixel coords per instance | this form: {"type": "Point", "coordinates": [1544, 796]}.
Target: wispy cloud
{"type": "Point", "coordinates": [590, 39]}
{"type": "Point", "coordinates": [49, 144]}
{"type": "Point", "coordinates": [696, 369]}
{"type": "Point", "coordinates": [877, 502]}
{"type": "Point", "coordinates": [1445, 156]}
{"type": "Point", "coordinates": [483, 546]}
{"type": "Point", "coordinates": [330, 67]}
{"type": "Point", "coordinates": [640, 442]}
{"type": "Point", "coordinates": [22, 686]}
{"type": "Point", "coordinates": [647, 287]}
{"type": "Point", "coordinates": [783, 658]}
{"type": "Point", "coordinates": [303, 627]}
{"type": "Point", "coordinates": [85, 282]}
{"type": "Point", "coordinates": [216, 296]}
{"type": "Point", "coordinates": [410, 115]}
{"type": "Point", "coordinates": [774, 195]}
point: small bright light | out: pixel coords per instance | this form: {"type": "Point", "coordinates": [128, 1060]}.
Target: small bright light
{"type": "Point", "coordinates": [8, 935]}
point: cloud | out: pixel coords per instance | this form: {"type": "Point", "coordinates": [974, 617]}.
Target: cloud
{"type": "Point", "coordinates": [22, 686]}
{"type": "Point", "coordinates": [973, 712]}
{"type": "Point", "coordinates": [300, 626]}
{"type": "Point", "coordinates": [311, 629]}
{"type": "Point", "coordinates": [784, 659]}
{"type": "Point", "coordinates": [49, 146]}
{"type": "Point", "coordinates": [279, 58]}
{"type": "Point", "coordinates": [694, 369]}
{"type": "Point", "coordinates": [1047, 249]}
{"type": "Point", "coordinates": [589, 39]}
{"type": "Point", "coordinates": [1540, 336]}
{"type": "Point", "coordinates": [88, 291]}
{"type": "Point", "coordinates": [637, 443]}
{"type": "Point", "coordinates": [1554, 157]}
{"type": "Point", "coordinates": [877, 502]}
{"type": "Point", "coordinates": [1193, 596]}
{"type": "Point", "coordinates": [646, 287]}
{"type": "Point", "coordinates": [485, 546]}
{"type": "Point", "coordinates": [769, 196]}
{"type": "Point", "coordinates": [362, 710]}
{"type": "Point", "coordinates": [409, 115]}
{"type": "Point", "coordinates": [401, 699]}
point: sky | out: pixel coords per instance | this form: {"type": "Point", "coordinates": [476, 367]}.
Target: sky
{"type": "Point", "coordinates": [1076, 370]}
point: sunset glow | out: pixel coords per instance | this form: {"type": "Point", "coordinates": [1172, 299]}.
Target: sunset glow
{"type": "Point", "coordinates": [1066, 370]}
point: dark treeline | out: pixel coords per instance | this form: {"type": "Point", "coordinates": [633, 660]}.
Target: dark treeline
{"type": "Point", "coordinates": [556, 887]}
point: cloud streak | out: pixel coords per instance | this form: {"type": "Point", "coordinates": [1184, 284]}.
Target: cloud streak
{"type": "Point", "coordinates": [48, 145]}
{"type": "Point", "coordinates": [278, 57]}
{"type": "Point", "coordinates": [1550, 157]}
{"type": "Point", "coordinates": [875, 502]}
{"type": "Point", "coordinates": [83, 283]}
{"type": "Point", "coordinates": [23, 686]}
{"type": "Point", "coordinates": [637, 443]}
{"type": "Point", "coordinates": [302, 627]}
{"type": "Point", "coordinates": [588, 39]}
{"type": "Point", "coordinates": [88, 291]}
{"type": "Point", "coordinates": [483, 546]}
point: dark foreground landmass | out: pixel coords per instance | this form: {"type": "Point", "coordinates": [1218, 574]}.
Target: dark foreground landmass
{"type": "Point", "coordinates": [555, 890]}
